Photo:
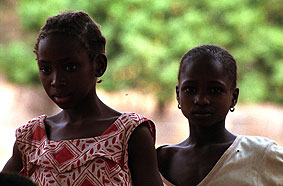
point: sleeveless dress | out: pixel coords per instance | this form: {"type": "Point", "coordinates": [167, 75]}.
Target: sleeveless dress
{"type": "Point", "coordinates": [96, 161]}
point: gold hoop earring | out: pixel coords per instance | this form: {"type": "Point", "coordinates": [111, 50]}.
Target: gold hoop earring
{"type": "Point", "coordinates": [232, 109]}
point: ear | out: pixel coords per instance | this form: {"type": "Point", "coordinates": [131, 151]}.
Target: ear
{"type": "Point", "coordinates": [177, 93]}
{"type": "Point", "coordinates": [235, 95]}
{"type": "Point", "coordinates": [100, 64]}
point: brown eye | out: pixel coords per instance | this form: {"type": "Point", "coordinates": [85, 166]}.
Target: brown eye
{"type": "Point", "coordinates": [216, 90]}
{"type": "Point", "coordinates": [190, 89]}
{"type": "Point", "coordinates": [45, 69]}
{"type": "Point", "coordinates": [71, 67]}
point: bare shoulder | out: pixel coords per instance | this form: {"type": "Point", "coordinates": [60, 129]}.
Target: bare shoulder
{"type": "Point", "coordinates": [140, 140]}
{"type": "Point", "coordinates": [167, 151]}
{"type": "Point", "coordinates": [141, 134]}
{"type": "Point", "coordinates": [167, 154]}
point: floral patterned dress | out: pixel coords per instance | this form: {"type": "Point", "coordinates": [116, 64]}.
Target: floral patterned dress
{"type": "Point", "coordinates": [96, 161]}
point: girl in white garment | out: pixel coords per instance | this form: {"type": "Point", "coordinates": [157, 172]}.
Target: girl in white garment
{"type": "Point", "coordinates": [211, 155]}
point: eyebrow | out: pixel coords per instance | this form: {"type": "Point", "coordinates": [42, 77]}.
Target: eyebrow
{"type": "Point", "coordinates": [212, 82]}
{"type": "Point", "coordinates": [42, 61]}
{"type": "Point", "coordinates": [59, 60]}
{"type": "Point", "coordinates": [188, 81]}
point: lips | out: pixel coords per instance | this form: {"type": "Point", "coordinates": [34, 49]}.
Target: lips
{"type": "Point", "coordinates": [61, 99]}
{"type": "Point", "coordinates": [201, 113]}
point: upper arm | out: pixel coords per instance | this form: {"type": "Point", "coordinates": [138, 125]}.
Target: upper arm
{"type": "Point", "coordinates": [142, 158]}
{"type": "Point", "coordinates": [14, 164]}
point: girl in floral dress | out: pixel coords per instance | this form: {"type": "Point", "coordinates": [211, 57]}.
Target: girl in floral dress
{"type": "Point", "coordinates": [87, 143]}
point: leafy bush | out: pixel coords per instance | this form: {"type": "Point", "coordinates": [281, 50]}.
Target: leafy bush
{"type": "Point", "coordinates": [146, 40]}
{"type": "Point", "coordinates": [18, 63]}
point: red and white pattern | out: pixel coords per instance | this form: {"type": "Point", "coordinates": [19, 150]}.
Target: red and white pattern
{"type": "Point", "coordinates": [96, 161]}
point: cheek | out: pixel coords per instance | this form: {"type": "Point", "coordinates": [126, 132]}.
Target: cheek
{"type": "Point", "coordinates": [44, 82]}
{"type": "Point", "coordinates": [185, 98]}
{"type": "Point", "coordinates": [186, 103]}
{"type": "Point", "coordinates": [224, 106]}
{"type": "Point", "coordinates": [43, 79]}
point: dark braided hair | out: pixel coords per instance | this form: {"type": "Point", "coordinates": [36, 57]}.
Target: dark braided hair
{"type": "Point", "coordinates": [79, 25]}
{"type": "Point", "coordinates": [215, 52]}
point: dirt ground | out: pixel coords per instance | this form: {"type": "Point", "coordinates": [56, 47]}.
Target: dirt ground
{"type": "Point", "coordinates": [19, 104]}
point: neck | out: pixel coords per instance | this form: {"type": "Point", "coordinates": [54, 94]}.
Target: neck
{"type": "Point", "coordinates": [216, 133]}
{"type": "Point", "coordinates": [91, 107]}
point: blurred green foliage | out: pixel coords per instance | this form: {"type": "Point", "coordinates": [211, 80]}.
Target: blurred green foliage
{"type": "Point", "coordinates": [147, 38]}
{"type": "Point", "coordinates": [17, 62]}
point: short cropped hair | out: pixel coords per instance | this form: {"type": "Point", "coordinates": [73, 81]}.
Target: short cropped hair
{"type": "Point", "coordinates": [218, 53]}
{"type": "Point", "coordinates": [79, 25]}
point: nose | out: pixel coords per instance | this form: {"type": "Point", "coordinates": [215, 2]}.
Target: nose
{"type": "Point", "coordinates": [200, 99]}
{"type": "Point", "coordinates": [58, 80]}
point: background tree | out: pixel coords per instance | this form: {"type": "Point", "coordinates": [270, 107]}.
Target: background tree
{"type": "Point", "coordinates": [147, 38]}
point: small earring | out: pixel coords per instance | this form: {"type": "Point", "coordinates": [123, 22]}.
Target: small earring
{"type": "Point", "coordinates": [99, 80]}
{"type": "Point", "coordinates": [179, 106]}
{"type": "Point", "coordinates": [232, 109]}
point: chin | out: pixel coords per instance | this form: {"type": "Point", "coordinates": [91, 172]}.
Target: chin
{"type": "Point", "coordinates": [203, 123]}
{"type": "Point", "coordinates": [63, 106]}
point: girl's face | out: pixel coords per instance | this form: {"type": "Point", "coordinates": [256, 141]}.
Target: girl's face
{"type": "Point", "coordinates": [205, 92]}
{"type": "Point", "coordinates": [65, 71]}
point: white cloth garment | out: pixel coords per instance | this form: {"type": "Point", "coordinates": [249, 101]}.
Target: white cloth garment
{"type": "Point", "coordinates": [249, 161]}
